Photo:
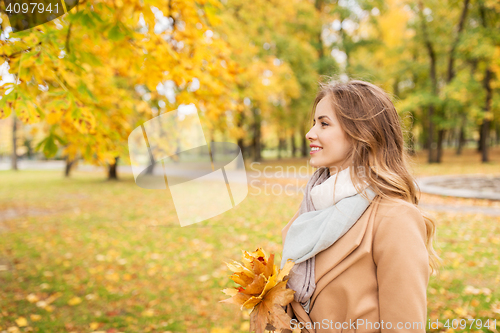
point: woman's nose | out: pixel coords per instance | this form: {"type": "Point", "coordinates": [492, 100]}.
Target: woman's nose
{"type": "Point", "coordinates": [311, 135]}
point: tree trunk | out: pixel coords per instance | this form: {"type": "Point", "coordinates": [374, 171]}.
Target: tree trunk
{"type": "Point", "coordinates": [285, 145]}
{"type": "Point", "coordinates": [441, 134]}
{"type": "Point", "coordinates": [240, 141]}
{"type": "Point", "coordinates": [14, 142]}
{"type": "Point", "coordinates": [411, 137]}
{"type": "Point", "coordinates": [451, 71]}
{"type": "Point", "coordinates": [485, 126]}
{"type": "Point", "coordinates": [498, 135]}
{"type": "Point", "coordinates": [112, 174]}
{"type": "Point", "coordinates": [486, 122]}
{"type": "Point", "coordinates": [488, 76]}
{"type": "Point", "coordinates": [213, 150]}
{"type": "Point", "coordinates": [241, 144]}
{"type": "Point", "coordinates": [480, 140]}
{"type": "Point", "coordinates": [432, 157]}
{"type": "Point", "coordinates": [304, 143]}
{"type": "Point", "coordinates": [293, 145]}
{"type": "Point", "coordinates": [280, 147]}
{"type": "Point", "coordinates": [69, 165]}
{"type": "Point", "coordinates": [461, 140]}
{"type": "Point", "coordinates": [256, 143]}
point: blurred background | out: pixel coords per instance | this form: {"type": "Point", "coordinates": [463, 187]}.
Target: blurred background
{"type": "Point", "coordinates": [83, 249]}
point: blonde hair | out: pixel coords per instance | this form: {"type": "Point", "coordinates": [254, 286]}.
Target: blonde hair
{"type": "Point", "coordinates": [372, 124]}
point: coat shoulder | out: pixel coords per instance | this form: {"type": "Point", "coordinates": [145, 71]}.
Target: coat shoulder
{"type": "Point", "coordinates": [394, 211]}
{"type": "Point", "coordinates": [394, 207]}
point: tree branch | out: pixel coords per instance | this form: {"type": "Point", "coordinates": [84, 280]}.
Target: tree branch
{"type": "Point", "coordinates": [429, 46]}
{"type": "Point", "coordinates": [15, 54]}
{"type": "Point", "coordinates": [68, 36]}
{"type": "Point", "coordinates": [451, 72]}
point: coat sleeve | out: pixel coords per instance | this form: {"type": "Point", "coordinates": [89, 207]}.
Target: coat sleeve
{"type": "Point", "coordinates": [402, 264]}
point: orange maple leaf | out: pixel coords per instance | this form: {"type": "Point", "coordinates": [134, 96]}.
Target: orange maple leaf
{"type": "Point", "coordinates": [269, 312]}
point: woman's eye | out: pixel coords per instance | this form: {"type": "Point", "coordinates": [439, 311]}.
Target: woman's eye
{"type": "Point", "coordinates": [324, 124]}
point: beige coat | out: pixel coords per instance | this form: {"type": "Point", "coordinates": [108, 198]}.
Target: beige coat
{"type": "Point", "coordinates": [376, 274]}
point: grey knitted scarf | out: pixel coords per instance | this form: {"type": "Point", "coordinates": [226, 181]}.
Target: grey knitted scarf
{"type": "Point", "coordinates": [314, 231]}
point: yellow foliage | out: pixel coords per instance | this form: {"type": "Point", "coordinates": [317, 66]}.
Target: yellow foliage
{"type": "Point", "coordinates": [54, 116]}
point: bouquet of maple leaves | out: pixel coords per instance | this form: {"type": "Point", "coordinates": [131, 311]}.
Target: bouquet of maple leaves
{"type": "Point", "coordinates": [263, 290]}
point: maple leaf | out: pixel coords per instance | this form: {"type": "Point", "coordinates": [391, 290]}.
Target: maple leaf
{"type": "Point", "coordinates": [241, 278]}
{"type": "Point", "coordinates": [270, 311]}
{"type": "Point", "coordinates": [238, 298]}
{"type": "Point", "coordinates": [257, 262]}
{"type": "Point", "coordinates": [21, 322]}
{"type": "Point", "coordinates": [256, 287]}
{"type": "Point", "coordinates": [286, 270]}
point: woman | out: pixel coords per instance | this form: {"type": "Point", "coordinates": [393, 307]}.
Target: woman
{"type": "Point", "coordinates": [363, 267]}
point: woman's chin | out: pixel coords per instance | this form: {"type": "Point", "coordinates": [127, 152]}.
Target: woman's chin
{"type": "Point", "coordinates": [315, 163]}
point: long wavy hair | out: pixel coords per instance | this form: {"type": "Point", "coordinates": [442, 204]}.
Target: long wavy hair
{"type": "Point", "coordinates": [370, 120]}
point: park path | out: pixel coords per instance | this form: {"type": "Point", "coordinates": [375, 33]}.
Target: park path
{"type": "Point", "coordinates": [465, 186]}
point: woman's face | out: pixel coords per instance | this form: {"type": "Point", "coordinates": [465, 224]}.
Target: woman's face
{"type": "Point", "coordinates": [328, 141]}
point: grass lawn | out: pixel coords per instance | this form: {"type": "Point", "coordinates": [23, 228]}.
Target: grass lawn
{"type": "Point", "coordinates": [88, 255]}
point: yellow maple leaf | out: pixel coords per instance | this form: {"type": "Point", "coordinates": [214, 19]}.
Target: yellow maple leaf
{"type": "Point", "coordinates": [32, 298]}
{"type": "Point", "coordinates": [74, 301]}
{"type": "Point", "coordinates": [148, 313]}
{"type": "Point", "coordinates": [220, 330]}
{"type": "Point", "coordinates": [35, 317]}
{"type": "Point", "coordinates": [94, 326]}
{"type": "Point", "coordinates": [21, 322]}
{"type": "Point", "coordinates": [461, 311]}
